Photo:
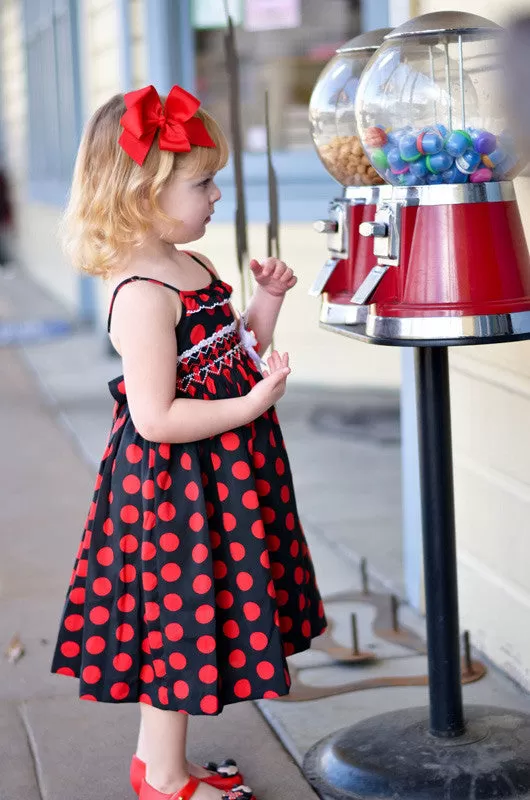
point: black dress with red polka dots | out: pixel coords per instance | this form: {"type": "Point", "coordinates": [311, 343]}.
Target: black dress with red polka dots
{"type": "Point", "coordinates": [193, 579]}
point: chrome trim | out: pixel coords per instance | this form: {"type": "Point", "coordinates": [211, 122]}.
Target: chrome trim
{"type": "Point", "coordinates": [338, 314]}
{"type": "Point", "coordinates": [370, 195]}
{"type": "Point", "coordinates": [440, 328]}
{"type": "Point", "coordinates": [450, 194]}
{"type": "Point", "coordinates": [371, 40]}
{"type": "Point", "coordinates": [448, 22]}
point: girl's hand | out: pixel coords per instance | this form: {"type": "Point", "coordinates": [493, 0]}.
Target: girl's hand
{"type": "Point", "coordinates": [268, 391]}
{"type": "Point", "coordinates": [275, 277]}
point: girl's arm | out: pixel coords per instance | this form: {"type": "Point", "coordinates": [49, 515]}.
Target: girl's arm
{"type": "Point", "coordinates": [144, 320]}
{"type": "Point", "coordinates": [274, 279]}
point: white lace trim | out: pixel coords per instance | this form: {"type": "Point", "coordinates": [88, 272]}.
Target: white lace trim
{"type": "Point", "coordinates": [224, 333]}
{"type": "Point", "coordinates": [202, 308]}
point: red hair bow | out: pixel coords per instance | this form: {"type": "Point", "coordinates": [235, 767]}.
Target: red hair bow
{"type": "Point", "coordinates": [178, 126]}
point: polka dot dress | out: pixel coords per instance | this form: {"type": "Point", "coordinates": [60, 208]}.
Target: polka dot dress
{"type": "Point", "coordinates": [193, 580]}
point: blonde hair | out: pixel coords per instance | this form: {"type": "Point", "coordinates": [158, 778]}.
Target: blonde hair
{"type": "Point", "coordinates": [105, 215]}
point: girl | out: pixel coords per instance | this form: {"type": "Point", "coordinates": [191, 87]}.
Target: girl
{"type": "Point", "coordinates": [193, 580]}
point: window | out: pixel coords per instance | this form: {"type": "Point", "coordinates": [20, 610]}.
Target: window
{"type": "Point", "coordinates": [53, 96]}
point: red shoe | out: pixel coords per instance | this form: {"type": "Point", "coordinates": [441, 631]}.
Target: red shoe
{"type": "Point", "coordinates": [227, 774]}
{"type": "Point", "coordinates": [147, 792]}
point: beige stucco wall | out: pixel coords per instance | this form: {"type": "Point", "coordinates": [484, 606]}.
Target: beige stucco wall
{"type": "Point", "coordinates": [491, 440]}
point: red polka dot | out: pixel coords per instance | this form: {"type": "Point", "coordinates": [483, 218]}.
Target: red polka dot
{"type": "Point", "coordinates": [210, 509]}
{"type": "Point", "coordinates": [202, 584]}
{"type": "Point", "coordinates": [169, 542]}
{"type": "Point", "coordinates": [289, 521]}
{"type": "Point", "coordinates": [148, 551]}
{"type": "Point", "coordinates": [229, 521]}
{"type": "Point", "coordinates": [282, 597]}
{"type": "Point", "coordinates": [147, 674]}
{"type": "Point", "coordinates": [288, 648]}
{"type": "Point", "coordinates": [165, 450]}
{"type": "Point", "coordinates": [250, 499]}
{"type": "Point", "coordinates": [125, 632]}
{"type": "Point", "coordinates": [204, 614]}
{"type": "Point", "coordinates": [273, 542]}
{"type": "Point", "coordinates": [196, 522]}
{"type": "Point", "coordinates": [177, 660]}
{"type": "Point", "coordinates": [271, 589]}
{"type": "Point", "coordinates": [237, 659]}
{"type": "Point", "coordinates": [209, 704]}
{"type": "Point", "coordinates": [99, 615]}
{"type": "Point", "coordinates": [299, 575]}
{"type": "Point", "coordinates": [159, 667]}
{"type": "Point", "coordinates": [198, 333]}
{"type": "Point", "coordinates": [191, 491]}
{"type": "Point", "coordinates": [301, 602]}
{"type": "Point", "coordinates": [208, 674]}
{"type": "Point", "coordinates": [258, 641]}
{"type": "Point", "coordinates": [102, 586]}
{"type": "Point", "coordinates": [270, 695]}
{"type": "Point", "coordinates": [199, 553]}
{"type": "Point", "coordinates": [149, 521]}
{"type": "Point", "coordinates": [258, 529]}
{"type": "Point", "coordinates": [91, 674]}
{"type": "Point", "coordinates": [163, 696]}
{"type": "Point", "coordinates": [152, 611]}
{"type": "Point", "coordinates": [206, 644]}
{"type": "Point", "coordinates": [269, 515]}
{"type": "Point", "coordinates": [277, 571]}
{"type": "Point", "coordinates": [129, 514]}
{"type": "Point", "coordinates": [285, 494]}
{"type": "Point", "coordinates": [66, 671]}
{"type": "Point", "coordinates": [95, 645]}
{"type": "Point", "coordinates": [252, 611]}
{"type": "Point", "coordinates": [174, 632]}
{"type": "Point", "coordinates": [89, 697]}
{"type": "Point", "coordinates": [222, 491]}
{"type": "Point", "coordinates": [230, 441]}
{"type": "Point", "coordinates": [280, 466]}
{"type": "Point", "coordinates": [242, 688]}
{"type": "Point", "coordinates": [215, 539]}
{"type": "Point", "coordinates": [128, 543]}
{"type": "Point", "coordinates": [134, 454]}
{"type": "Point", "coordinates": [119, 691]}
{"type": "Point", "coordinates": [294, 549]}
{"type": "Point", "coordinates": [272, 440]}
{"type": "Point", "coordinates": [166, 511]}
{"type": "Point", "coordinates": [265, 559]}
{"type": "Point", "coordinates": [70, 649]}
{"type": "Point", "coordinates": [265, 670]}
{"type": "Point", "coordinates": [128, 573]}
{"type": "Point", "coordinates": [131, 484]}
{"type": "Point", "coordinates": [216, 461]}
{"type": "Point", "coordinates": [122, 662]}
{"type": "Point", "coordinates": [219, 570]}
{"type": "Point", "coordinates": [155, 640]}
{"type": "Point", "coordinates": [245, 581]}
{"type": "Point", "coordinates": [82, 568]}
{"type": "Point", "coordinates": [87, 540]}
{"type": "Point", "coordinates": [286, 624]}
{"type": "Point", "coordinates": [231, 629]}
{"type": "Point", "coordinates": [237, 551]}
{"type": "Point", "coordinates": [145, 699]}
{"type": "Point", "coordinates": [263, 487]}
{"type": "Point", "coordinates": [306, 629]}
{"type": "Point", "coordinates": [111, 497]}
{"type": "Point", "coordinates": [258, 460]}
{"type": "Point", "coordinates": [185, 461]}
{"type": "Point", "coordinates": [171, 572]}
{"type": "Point", "coordinates": [173, 602]}
{"type": "Point", "coordinates": [105, 556]}
{"type": "Point", "coordinates": [181, 689]}
{"type": "Point", "coordinates": [241, 470]}
{"type": "Point", "coordinates": [126, 603]}
{"type": "Point", "coordinates": [77, 596]}
{"type": "Point", "coordinates": [224, 599]}
{"type": "Point", "coordinates": [152, 457]}
{"type": "Point", "coordinates": [164, 480]}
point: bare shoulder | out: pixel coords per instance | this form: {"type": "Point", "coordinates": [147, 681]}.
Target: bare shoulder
{"type": "Point", "coordinates": [204, 259]}
{"type": "Point", "coordinates": [141, 303]}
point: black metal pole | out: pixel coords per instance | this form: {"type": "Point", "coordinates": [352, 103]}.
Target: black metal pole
{"type": "Point", "coordinates": [439, 541]}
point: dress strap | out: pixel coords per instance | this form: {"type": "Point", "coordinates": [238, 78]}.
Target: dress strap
{"type": "Point", "coordinates": [131, 280]}
{"type": "Point", "coordinates": [205, 266]}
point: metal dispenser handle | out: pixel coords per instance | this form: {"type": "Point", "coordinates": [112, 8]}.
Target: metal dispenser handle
{"type": "Point", "coordinates": [323, 277]}
{"type": "Point", "coordinates": [385, 232]}
{"type": "Point", "coordinates": [369, 285]}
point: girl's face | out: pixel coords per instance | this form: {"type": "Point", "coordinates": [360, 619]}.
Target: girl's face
{"type": "Point", "coordinates": [190, 202]}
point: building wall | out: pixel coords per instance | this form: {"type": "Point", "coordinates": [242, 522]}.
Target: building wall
{"type": "Point", "coordinates": [491, 440]}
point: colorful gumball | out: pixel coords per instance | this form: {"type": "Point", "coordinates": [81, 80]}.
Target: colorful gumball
{"type": "Point", "coordinates": [492, 160]}
{"type": "Point", "coordinates": [453, 175]}
{"type": "Point", "coordinates": [408, 148]}
{"type": "Point", "coordinates": [457, 143]}
{"type": "Point", "coordinates": [484, 142]}
{"type": "Point", "coordinates": [419, 170]}
{"type": "Point", "coordinates": [375, 137]}
{"type": "Point", "coordinates": [396, 163]}
{"type": "Point", "coordinates": [439, 162]}
{"type": "Point", "coordinates": [482, 175]}
{"type": "Point", "coordinates": [430, 141]}
{"type": "Point", "coordinates": [468, 161]}
{"type": "Point", "coordinates": [379, 159]}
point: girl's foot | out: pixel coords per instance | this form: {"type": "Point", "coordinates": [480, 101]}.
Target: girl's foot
{"type": "Point", "coordinates": [222, 776]}
{"type": "Point", "coordinates": [196, 789]}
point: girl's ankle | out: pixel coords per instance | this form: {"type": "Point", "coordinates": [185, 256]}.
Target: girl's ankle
{"type": "Point", "coordinates": [167, 782]}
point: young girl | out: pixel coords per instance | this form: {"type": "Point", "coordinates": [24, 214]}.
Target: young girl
{"type": "Point", "coordinates": [193, 580]}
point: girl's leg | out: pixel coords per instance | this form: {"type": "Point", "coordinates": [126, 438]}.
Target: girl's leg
{"type": "Point", "coordinates": [162, 745]}
{"type": "Point", "coordinates": [141, 751]}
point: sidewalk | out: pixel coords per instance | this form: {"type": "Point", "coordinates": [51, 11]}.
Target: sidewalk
{"type": "Point", "coordinates": [54, 417]}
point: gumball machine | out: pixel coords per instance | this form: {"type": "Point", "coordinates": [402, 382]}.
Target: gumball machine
{"type": "Point", "coordinates": [452, 269]}
{"type": "Point", "coordinates": [334, 132]}
{"type": "Point", "coordinates": [452, 258]}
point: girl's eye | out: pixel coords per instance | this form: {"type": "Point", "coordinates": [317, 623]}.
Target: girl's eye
{"type": "Point", "coordinates": [206, 182]}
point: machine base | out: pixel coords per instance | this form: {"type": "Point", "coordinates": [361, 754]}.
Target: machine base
{"type": "Point", "coordinates": [448, 328]}
{"type": "Point", "coordinates": [342, 313]}
{"type": "Point", "coordinates": [394, 756]}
